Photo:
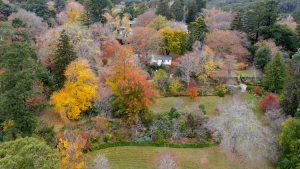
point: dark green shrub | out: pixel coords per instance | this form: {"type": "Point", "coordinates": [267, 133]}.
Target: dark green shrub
{"type": "Point", "coordinates": [146, 117]}
{"type": "Point", "coordinates": [45, 132]}
{"type": "Point", "coordinates": [104, 62]}
{"type": "Point", "coordinates": [220, 93]}
{"type": "Point", "coordinates": [203, 109]}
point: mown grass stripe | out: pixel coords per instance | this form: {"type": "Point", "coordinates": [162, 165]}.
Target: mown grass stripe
{"type": "Point", "coordinates": [149, 144]}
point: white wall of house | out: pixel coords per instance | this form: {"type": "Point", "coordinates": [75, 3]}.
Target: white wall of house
{"type": "Point", "coordinates": [161, 60]}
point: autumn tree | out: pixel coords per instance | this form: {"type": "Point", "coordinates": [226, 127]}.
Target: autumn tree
{"type": "Point", "coordinates": [69, 147]}
{"type": "Point", "coordinates": [79, 90]}
{"type": "Point", "coordinates": [227, 43]}
{"type": "Point", "coordinates": [174, 87]}
{"type": "Point", "coordinates": [34, 24]}
{"type": "Point", "coordinates": [188, 64]}
{"type": "Point", "coordinates": [217, 19]}
{"type": "Point", "coordinates": [21, 81]}
{"type": "Point", "coordinates": [132, 92]}
{"type": "Point", "coordinates": [73, 11]}
{"type": "Point", "coordinates": [143, 44]}
{"type": "Point", "coordinates": [276, 74]}
{"type": "Point", "coordinates": [28, 153]}
{"type": "Point", "coordinates": [159, 22]}
{"type": "Point", "coordinates": [80, 40]}
{"type": "Point", "coordinates": [173, 41]}
{"type": "Point", "coordinates": [109, 48]}
{"type": "Point", "coordinates": [161, 81]}
{"type": "Point", "coordinates": [144, 19]}
{"type": "Point", "coordinates": [64, 55]}
{"type": "Point", "coordinates": [199, 63]}
{"type": "Point", "coordinates": [262, 57]}
{"type": "Point", "coordinates": [192, 90]}
{"type": "Point", "coordinates": [117, 23]}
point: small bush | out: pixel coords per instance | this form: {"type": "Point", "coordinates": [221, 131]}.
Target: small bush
{"type": "Point", "coordinates": [257, 90]}
{"type": "Point", "coordinates": [94, 140]}
{"type": "Point", "coordinates": [104, 62]}
{"type": "Point", "coordinates": [146, 117]}
{"type": "Point", "coordinates": [221, 90]}
{"type": "Point", "coordinates": [203, 109]}
{"type": "Point", "coordinates": [107, 138]}
{"type": "Point", "coordinates": [120, 137]}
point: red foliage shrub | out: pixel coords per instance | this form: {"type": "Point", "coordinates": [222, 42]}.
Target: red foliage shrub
{"type": "Point", "coordinates": [270, 102]}
{"type": "Point", "coordinates": [257, 90]}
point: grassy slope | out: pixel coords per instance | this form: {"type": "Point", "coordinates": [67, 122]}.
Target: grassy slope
{"type": "Point", "coordinates": [146, 158]}
{"type": "Point", "coordinates": [185, 104]}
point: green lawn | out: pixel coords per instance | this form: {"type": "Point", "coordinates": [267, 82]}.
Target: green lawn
{"type": "Point", "coordinates": [255, 101]}
{"type": "Point", "coordinates": [185, 104]}
{"type": "Point", "coordinates": [186, 158]}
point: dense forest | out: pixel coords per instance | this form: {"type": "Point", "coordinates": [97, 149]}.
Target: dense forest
{"type": "Point", "coordinates": [134, 84]}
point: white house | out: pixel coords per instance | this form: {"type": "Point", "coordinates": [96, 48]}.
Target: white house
{"type": "Point", "coordinates": [161, 59]}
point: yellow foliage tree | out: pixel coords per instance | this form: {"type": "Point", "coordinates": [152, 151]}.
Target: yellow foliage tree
{"type": "Point", "coordinates": [73, 11]}
{"type": "Point", "coordinates": [71, 155]}
{"type": "Point", "coordinates": [209, 65]}
{"type": "Point", "coordinates": [79, 90]}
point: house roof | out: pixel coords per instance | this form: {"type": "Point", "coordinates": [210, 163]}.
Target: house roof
{"type": "Point", "coordinates": [162, 57]}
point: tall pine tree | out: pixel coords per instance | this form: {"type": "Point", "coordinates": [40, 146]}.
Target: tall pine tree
{"type": "Point", "coordinates": [164, 9]}
{"type": "Point", "coordinates": [19, 84]}
{"type": "Point", "coordinates": [177, 10]}
{"type": "Point", "coordinates": [194, 8]}
{"type": "Point", "coordinates": [276, 74]}
{"type": "Point", "coordinates": [64, 55]}
{"type": "Point", "coordinates": [197, 31]}
{"type": "Point", "coordinates": [95, 10]}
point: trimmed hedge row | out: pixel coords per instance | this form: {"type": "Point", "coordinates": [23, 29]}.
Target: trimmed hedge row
{"type": "Point", "coordinates": [151, 144]}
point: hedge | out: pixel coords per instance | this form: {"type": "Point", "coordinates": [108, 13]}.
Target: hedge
{"type": "Point", "coordinates": [150, 144]}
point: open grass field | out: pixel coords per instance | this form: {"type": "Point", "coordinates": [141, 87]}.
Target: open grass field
{"type": "Point", "coordinates": [186, 105]}
{"type": "Point", "coordinates": [186, 158]}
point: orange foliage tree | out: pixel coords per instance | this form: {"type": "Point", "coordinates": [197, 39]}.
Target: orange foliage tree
{"type": "Point", "coordinates": [109, 48]}
{"type": "Point", "coordinates": [192, 90]}
{"type": "Point", "coordinates": [79, 90]}
{"type": "Point", "coordinates": [133, 93]}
